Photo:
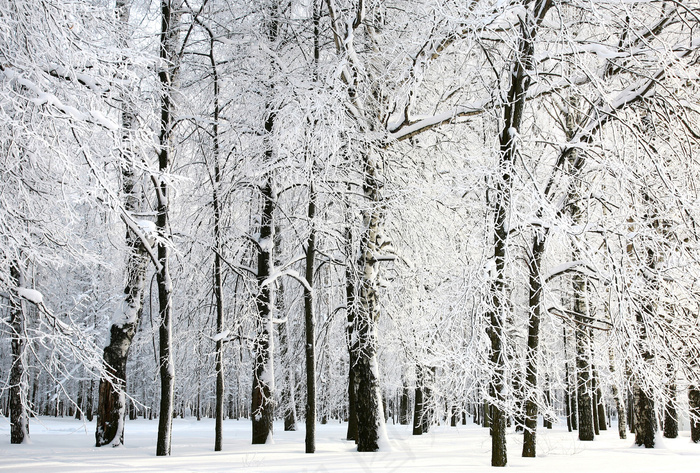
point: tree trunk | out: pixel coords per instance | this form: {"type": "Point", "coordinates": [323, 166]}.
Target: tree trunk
{"type": "Point", "coordinates": [583, 366]}
{"type": "Point", "coordinates": [404, 406]}
{"type": "Point", "coordinates": [19, 380]}
{"type": "Point", "coordinates": [619, 403]}
{"type": "Point", "coordinates": [169, 39]}
{"type": "Point", "coordinates": [522, 69]}
{"type": "Point", "coordinates": [594, 387]}
{"type": "Point", "coordinates": [670, 413]}
{"type": "Point", "coordinates": [694, 405]}
{"type": "Point", "coordinates": [370, 415]}
{"type": "Point", "coordinates": [111, 404]}
{"type": "Point", "coordinates": [262, 406]}
{"type": "Point", "coordinates": [351, 338]}
{"type": "Point", "coordinates": [644, 418]}
{"type": "Point", "coordinates": [287, 395]}
{"type": "Point", "coordinates": [218, 249]}
{"type": "Point", "coordinates": [535, 305]}
{"type": "Point", "coordinates": [310, 327]}
{"type": "Point", "coordinates": [419, 404]}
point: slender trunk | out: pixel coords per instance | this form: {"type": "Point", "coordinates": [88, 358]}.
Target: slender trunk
{"type": "Point", "coordinates": [619, 403]}
{"type": "Point", "coordinates": [630, 410]}
{"type": "Point", "coordinates": [262, 400]}
{"type": "Point", "coordinates": [600, 403]}
{"type": "Point", "coordinates": [583, 367]}
{"type": "Point", "coordinates": [262, 406]}
{"type": "Point", "coordinates": [670, 413]}
{"type": "Point", "coordinates": [570, 416]}
{"type": "Point", "coordinates": [419, 404]}
{"type": "Point", "coordinates": [169, 38]}
{"type": "Point", "coordinates": [512, 117]}
{"type": "Point", "coordinates": [218, 248]}
{"type": "Point", "coordinates": [19, 380]}
{"type": "Point", "coordinates": [89, 405]}
{"type": "Point", "coordinates": [309, 316]}
{"type": "Point", "coordinates": [351, 340]}
{"type": "Point", "coordinates": [535, 304]}
{"type": "Point", "coordinates": [594, 387]}
{"type": "Point", "coordinates": [287, 395]}
{"type": "Point", "coordinates": [404, 405]}
{"type": "Point", "coordinates": [310, 328]}
{"type": "Point", "coordinates": [644, 416]}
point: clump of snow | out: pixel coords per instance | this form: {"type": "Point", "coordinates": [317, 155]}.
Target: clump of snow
{"type": "Point", "coordinates": [32, 295]}
{"type": "Point", "coordinates": [220, 336]}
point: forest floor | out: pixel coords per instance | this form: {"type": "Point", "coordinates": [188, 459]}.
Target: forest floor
{"type": "Point", "coordinates": [67, 445]}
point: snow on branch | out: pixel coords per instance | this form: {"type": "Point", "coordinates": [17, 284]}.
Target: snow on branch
{"type": "Point", "coordinates": [404, 131]}
{"type": "Point", "coordinates": [291, 273]}
{"type": "Point", "coordinates": [568, 267]}
{"type": "Point", "coordinates": [45, 98]}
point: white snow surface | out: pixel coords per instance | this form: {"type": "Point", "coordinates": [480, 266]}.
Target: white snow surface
{"type": "Point", "coordinates": [67, 445]}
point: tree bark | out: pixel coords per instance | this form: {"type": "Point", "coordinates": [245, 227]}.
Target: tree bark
{"type": "Point", "coordinates": [352, 341]}
{"type": "Point", "coordinates": [419, 404]}
{"type": "Point", "coordinates": [169, 38]}
{"type": "Point", "coordinates": [218, 249]}
{"type": "Point", "coordinates": [310, 327]}
{"type": "Point", "coordinates": [370, 415]}
{"type": "Point", "coordinates": [670, 413]}
{"type": "Point", "coordinates": [644, 418]}
{"type": "Point", "coordinates": [535, 304]}
{"type": "Point", "coordinates": [404, 406]}
{"type": "Point", "coordinates": [19, 379]}
{"type": "Point", "coordinates": [111, 404]}
{"type": "Point", "coordinates": [694, 405]}
{"type": "Point", "coordinates": [583, 366]}
{"type": "Point", "coordinates": [619, 404]}
{"type": "Point", "coordinates": [262, 405]}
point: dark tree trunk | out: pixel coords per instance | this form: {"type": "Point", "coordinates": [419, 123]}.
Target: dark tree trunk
{"type": "Point", "coordinates": [419, 404]}
{"type": "Point", "coordinates": [169, 39]}
{"type": "Point", "coordinates": [310, 328]}
{"type": "Point", "coordinates": [630, 411]}
{"type": "Point", "coordinates": [350, 335]}
{"type": "Point", "coordinates": [90, 402]}
{"type": "Point", "coordinates": [569, 392]}
{"type": "Point", "coordinates": [670, 413]}
{"type": "Point", "coordinates": [644, 418]}
{"type": "Point", "coordinates": [287, 395]}
{"type": "Point", "coordinates": [583, 366]}
{"type": "Point", "coordinates": [19, 382]}
{"type": "Point", "coordinates": [599, 406]}
{"type": "Point", "coordinates": [694, 405]}
{"type": "Point", "coordinates": [486, 415]}
{"type": "Point", "coordinates": [531, 411]}
{"type": "Point", "coordinates": [404, 410]}
{"type": "Point", "coordinates": [218, 248]}
{"type": "Point", "coordinates": [521, 73]}
{"type": "Point", "coordinates": [596, 418]}
{"type": "Point", "coordinates": [262, 405]}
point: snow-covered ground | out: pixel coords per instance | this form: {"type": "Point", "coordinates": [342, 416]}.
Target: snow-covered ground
{"type": "Point", "coordinates": [66, 445]}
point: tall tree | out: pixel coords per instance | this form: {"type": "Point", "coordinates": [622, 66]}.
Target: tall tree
{"type": "Point", "coordinates": [169, 54]}
{"type": "Point", "coordinates": [111, 407]}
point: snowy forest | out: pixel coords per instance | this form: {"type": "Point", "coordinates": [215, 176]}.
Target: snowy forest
{"type": "Point", "coordinates": [417, 212]}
